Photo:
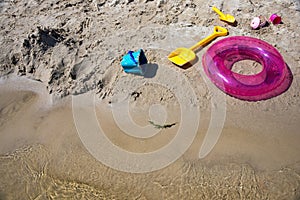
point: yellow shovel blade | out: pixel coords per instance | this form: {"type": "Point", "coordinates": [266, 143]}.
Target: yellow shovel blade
{"type": "Point", "coordinates": [181, 56]}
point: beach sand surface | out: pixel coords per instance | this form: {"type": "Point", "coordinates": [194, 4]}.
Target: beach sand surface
{"type": "Point", "coordinates": [56, 51]}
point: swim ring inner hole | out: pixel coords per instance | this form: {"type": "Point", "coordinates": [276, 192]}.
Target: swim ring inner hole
{"type": "Point", "coordinates": [247, 67]}
{"type": "Point", "coordinates": [248, 58]}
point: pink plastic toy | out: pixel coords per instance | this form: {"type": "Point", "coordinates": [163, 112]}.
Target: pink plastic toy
{"type": "Point", "coordinates": [274, 79]}
{"type": "Point", "coordinates": [255, 22]}
{"type": "Point", "coordinates": [258, 22]}
{"type": "Point", "coordinates": [275, 19]}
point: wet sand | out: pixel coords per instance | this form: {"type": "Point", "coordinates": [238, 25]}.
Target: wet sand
{"type": "Point", "coordinates": [43, 157]}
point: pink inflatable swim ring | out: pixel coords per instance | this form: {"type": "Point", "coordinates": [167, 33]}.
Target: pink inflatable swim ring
{"type": "Point", "coordinates": [274, 79]}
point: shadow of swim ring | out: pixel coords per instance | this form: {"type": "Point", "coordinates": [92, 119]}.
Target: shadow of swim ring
{"type": "Point", "coordinates": [274, 79]}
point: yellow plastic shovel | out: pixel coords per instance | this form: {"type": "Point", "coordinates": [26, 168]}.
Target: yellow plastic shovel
{"type": "Point", "coordinates": [182, 56]}
{"type": "Point", "coordinates": [223, 17]}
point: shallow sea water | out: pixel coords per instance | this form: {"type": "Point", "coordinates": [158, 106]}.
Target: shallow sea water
{"type": "Point", "coordinates": [42, 157]}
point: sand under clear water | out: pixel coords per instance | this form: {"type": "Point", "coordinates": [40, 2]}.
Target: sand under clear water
{"type": "Point", "coordinates": [42, 156]}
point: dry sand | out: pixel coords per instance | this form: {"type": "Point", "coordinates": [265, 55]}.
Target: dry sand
{"type": "Point", "coordinates": [54, 49]}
